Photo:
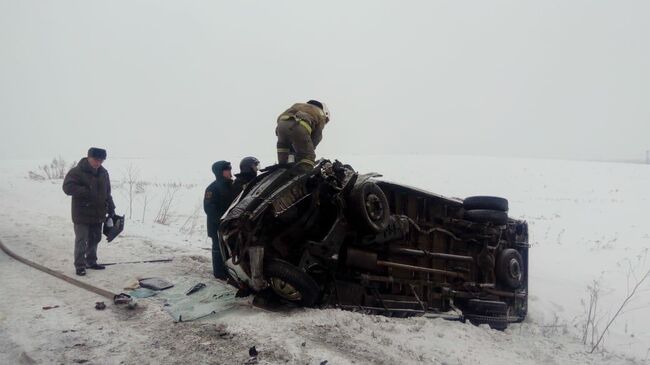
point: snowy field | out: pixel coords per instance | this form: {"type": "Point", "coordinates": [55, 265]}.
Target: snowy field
{"type": "Point", "coordinates": [589, 223]}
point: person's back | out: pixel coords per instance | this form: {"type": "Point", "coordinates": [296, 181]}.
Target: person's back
{"type": "Point", "coordinates": [300, 129]}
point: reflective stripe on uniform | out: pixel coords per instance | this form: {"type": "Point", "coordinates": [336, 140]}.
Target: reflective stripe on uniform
{"type": "Point", "coordinates": [284, 150]}
{"type": "Point", "coordinates": [300, 121]}
{"type": "Point", "coordinates": [306, 125]}
{"type": "Point", "coordinates": [308, 162]}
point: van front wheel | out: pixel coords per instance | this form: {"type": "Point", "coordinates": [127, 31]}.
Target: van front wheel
{"type": "Point", "coordinates": [291, 284]}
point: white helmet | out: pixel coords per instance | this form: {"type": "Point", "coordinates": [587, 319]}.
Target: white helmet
{"type": "Point", "coordinates": [322, 107]}
{"type": "Point", "coordinates": [326, 110]}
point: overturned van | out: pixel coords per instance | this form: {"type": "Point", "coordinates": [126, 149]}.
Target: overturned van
{"type": "Point", "coordinates": [334, 237]}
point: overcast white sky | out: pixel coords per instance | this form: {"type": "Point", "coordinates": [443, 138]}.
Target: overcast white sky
{"type": "Point", "coordinates": [558, 79]}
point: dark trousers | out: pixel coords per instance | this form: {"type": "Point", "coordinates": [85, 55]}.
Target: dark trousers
{"type": "Point", "coordinates": [218, 267]}
{"type": "Point", "coordinates": [87, 236]}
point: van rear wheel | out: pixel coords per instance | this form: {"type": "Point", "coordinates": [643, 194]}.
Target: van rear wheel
{"type": "Point", "coordinates": [495, 217]}
{"type": "Point", "coordinates": [486, 202]}
{"type": "Point", "coordinates": [510, 268]}
{"type": "Point", "coordinates": [369, 207]}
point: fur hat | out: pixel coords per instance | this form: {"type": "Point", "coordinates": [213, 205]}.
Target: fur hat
{"type": "Point", "coordinates": [97, 153]}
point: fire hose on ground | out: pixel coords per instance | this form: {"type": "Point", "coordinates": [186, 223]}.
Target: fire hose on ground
{"type": "Point", "coordinates": [120, 298]}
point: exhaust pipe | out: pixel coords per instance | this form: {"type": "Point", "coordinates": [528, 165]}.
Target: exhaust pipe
{"type": "Point", "coordinates": [433, 255]}
{"type": "Point", "coordinates": [368, 261]}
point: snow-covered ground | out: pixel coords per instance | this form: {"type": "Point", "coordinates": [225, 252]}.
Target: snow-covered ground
{"type": "Point", "coordinates": [588, 222]}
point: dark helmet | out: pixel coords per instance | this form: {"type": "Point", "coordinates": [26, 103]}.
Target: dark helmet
{"type": "Point", "coordinates": [249, 164]}
{"type": "Point", "coordinates": [219, 166]}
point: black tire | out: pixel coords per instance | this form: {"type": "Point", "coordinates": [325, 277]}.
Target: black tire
{"type": "Point", "coordinates": [487, 216]}
{"type": "Point", "coordinates": [496, 323]}
{"type": "Point", "coordinates": [283, 277]}
{"type": "Point", "coordinates": [369, 207]}
{"type": "Point", "coordinates": [510, 268]}
{"type": "Point", "coordinates": [486, 202]}
{"type": "Point", "coordinates": [492, 313]}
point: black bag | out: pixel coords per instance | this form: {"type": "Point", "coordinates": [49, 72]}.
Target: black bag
{"type": "Point", "coordinates": [118, 227]}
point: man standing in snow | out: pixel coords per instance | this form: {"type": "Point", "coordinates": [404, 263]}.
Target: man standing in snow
{"type": "Point", "coordinates": [301, 128]}
{"type": "Point", "coordinates": [216, 201]}
{"type": "Point", "coordinates": [90, 187]}
{"type": "Point", "coordinates": [248, 168]}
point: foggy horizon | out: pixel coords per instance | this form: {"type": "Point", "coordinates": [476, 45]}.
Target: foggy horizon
{"type": "Point", "coordinates": [557, 80]}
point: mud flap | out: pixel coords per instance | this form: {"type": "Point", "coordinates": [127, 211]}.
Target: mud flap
{"type": "Point", "coordinates": [348, 293]}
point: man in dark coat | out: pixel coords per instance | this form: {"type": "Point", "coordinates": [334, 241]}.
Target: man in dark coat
{"type": "Point", "coordinates": [248, 168]}
{"type": "Point", "coordinates": [216, 201]}
{"type": "Point", "coordinates": [90, 187]}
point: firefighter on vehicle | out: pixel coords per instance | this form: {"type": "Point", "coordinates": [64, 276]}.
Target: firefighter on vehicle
{"type": "Point", "coordinates": [299, 131]}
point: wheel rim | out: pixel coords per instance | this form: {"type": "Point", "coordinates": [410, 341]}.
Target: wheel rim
{"type": "Point", "coordinates": [285, 290]}
{"type": "Point", "coordinates": [515, 269]}
{"type": "Point", "coordinates": [374, 207]}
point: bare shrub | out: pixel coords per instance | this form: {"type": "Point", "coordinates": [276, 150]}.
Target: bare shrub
{"type": "Point", "coordinates": [55, 170]}
{"type": "Point", "coordinates": [637, 283]}
{"type": "Point", "coordinates": [140, 187]}
{"type": "Point", "coordinates": [135, 190]}
{"type": "Point", "coordinates": [58, 168]}
{"type": "Point", "coordinates": [132, 174]}
{"type": "Point", "coordinates": [144, 206]}
{"type": "Point", "coordinates": [193, 221]}
{"type": "Point", "coordinates": [164, 212]}
{"type": "Point", "coordinates": [141, 190]}
{"type": "Point", "coordinates": [554, 328]}
{"type": "Point", "coordinates": [34, 176]}
{"type": "Point", "coordinates": [591, 334]}
{"type": "Point", "coordinates": [590, 328]}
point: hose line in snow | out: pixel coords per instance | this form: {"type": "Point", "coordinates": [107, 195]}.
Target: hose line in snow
{"type": "Point", "coordinates": [103, 292]}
